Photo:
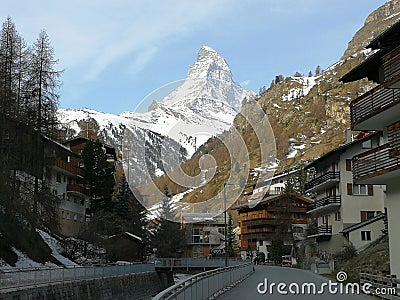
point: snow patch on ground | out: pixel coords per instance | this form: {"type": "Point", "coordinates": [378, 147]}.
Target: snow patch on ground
{"type": "Point", "coordinates": [55, 247]}
{"type": "Point", "coordinates": [292, 153]}
{"type": "Point", "coordinates": [307, 83]}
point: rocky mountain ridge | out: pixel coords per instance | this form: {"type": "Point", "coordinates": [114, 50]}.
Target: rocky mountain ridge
{"type": "Point", "coordinates": [309, 115]}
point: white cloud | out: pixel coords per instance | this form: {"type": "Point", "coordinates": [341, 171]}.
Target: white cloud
{"type": "Point", "coordinates": [142, 59]}
{"type": "Point", "coordinates": [92, 35]}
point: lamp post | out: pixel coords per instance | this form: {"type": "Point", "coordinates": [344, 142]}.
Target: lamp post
{"type": "Point", "coordinates": [225, 233]}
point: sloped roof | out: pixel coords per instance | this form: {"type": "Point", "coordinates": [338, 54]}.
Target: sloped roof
{"type": "Point", "coordinates": [364, 223]}
{"type": "Point", "coordinates": [339, 150]}
{"type": "Point", "coordinates": [269, 199]}
{"type": "Point", "coordinates": [386, 42]}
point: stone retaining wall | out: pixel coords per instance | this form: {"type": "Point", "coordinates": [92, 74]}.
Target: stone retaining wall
{"type": "Point", "coordinates": [133, 286]}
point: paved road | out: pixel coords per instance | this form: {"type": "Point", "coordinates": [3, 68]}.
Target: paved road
{"type": "Point", "coordinates": [248, 288]}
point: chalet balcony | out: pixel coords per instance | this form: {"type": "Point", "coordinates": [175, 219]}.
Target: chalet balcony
{"type": "Point", "coordinates": [376, 108]}
{"type": "Point", "coordinates": [259, 222]}
{"type": "Point", "coordinates": [323, 181]}
{"type": "Point", "coordinates": [391, 64]}
{"type": "Point", "coordinates": [322, 230]}
{"type": "Point", "coordinates": [376, 166]}
{"type": "Point", "coordinates": [77, 189]}
{"type": "Point", "coordinates": [394, 138]}
{"type": "Point", "coordinates": [67, 167]}
{"type": "Point", "coordinates": [321, 205]}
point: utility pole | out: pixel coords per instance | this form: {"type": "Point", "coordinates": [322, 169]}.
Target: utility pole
{"type": "Point", "coordinates": [225, 233]}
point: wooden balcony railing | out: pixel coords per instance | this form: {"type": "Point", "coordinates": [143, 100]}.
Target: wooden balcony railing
{"type": "Point", "coordinates": [324, 202]}
{"type": "Point", "coordinates": [319, 230]}
{"type": "Point", "coordinates": [391, 64]}
{"type": "Point", "coordinates": [374, 162]}
{"type": "Point", "coordinates": [67, 167]}
{"type": "Point", "coordinates": [394, 138]}
{"type": "Point", "coordinates": [373, 102]}
{"type": "Point", "coordinates": [78, 189]}
{"type": "Point", "coordinates": [322, 178]}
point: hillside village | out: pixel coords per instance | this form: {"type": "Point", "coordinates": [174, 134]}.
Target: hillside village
{"type": "Point", "coordinates": [67, 196]}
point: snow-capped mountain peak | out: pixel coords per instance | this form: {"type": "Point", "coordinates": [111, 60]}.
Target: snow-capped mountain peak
{"type": "Point", "coordinates": [210, 65]}
{"type": "Point", "coordinates": [209, 77]}
{"type": "Point", "coordinates": [204, 105]}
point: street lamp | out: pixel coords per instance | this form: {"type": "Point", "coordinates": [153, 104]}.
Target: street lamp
{"type": "Point", "coordinates": [225, 233]}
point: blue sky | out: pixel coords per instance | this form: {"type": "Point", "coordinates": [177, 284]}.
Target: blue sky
{"type": "Point", "coordinates": [115, 53]}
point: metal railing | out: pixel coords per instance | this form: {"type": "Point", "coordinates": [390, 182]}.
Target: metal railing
{"type": "Point", "coordinates": [322, 230]}
{"type": "Point", "coordinates": [373, 102]}
{"type": "Point", "coordinates": [374, 162]}
{"type": "Point", "coordinates": [324, 202]}
{"type": "Point", "coordinates": [33, 276]}
{"type": "Point", "coordinates": [207, 284]}
{"type": "Point", "coordinates": [387, 284]}
{"type": "Point", "coordinates": [322, 178]}
{"type": "Point", "coordinates": [197, 262]}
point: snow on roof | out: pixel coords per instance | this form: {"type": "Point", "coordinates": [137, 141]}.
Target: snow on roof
{"type": "Point", "coordinates": [133, 236]}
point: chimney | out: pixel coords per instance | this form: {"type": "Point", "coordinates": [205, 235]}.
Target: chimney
{"type": "Point", "coordinates": [349, 137]}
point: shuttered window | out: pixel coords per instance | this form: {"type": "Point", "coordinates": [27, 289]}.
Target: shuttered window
{"type": "Point", "coordinates": [349, 189]}
{"type": "Point", "coordinates": [348, 164]}
{"type": "Point", "coordinates": [370, 190]}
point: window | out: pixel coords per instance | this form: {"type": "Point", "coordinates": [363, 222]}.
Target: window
{"type": "Point", "coordinates": [359, 189]}
{"type": "Point", "coordinates": [338, 216]}
{"type": "Point", "coordinates": [62, 215]}
{"type": "Point", "coordinates": [260, 215]}
{"type": "Point", "coordinates": [63, 196]}
{"type": "Point", "coordinates": [365, 235]}
{"type": "Point", "coordinates": [75, 217]}
{"type": "Point", "coordinates": [366, 215]}
{"type": "Point", "coordinates": [68, 216]}
{"type": "Point", "coordinates": [348, 164]}
{"type": "Point", "coordinates": [245, 217]}
{"type": "Point", "coordinates": [367, 144]}
{"type": "Point", "coordinates": [260, 243]}
{"type": "Point", "coordinates": [81, 219]}
{"type": "Point", "coordinates": [58, 177]}
{"type": "Point", "coordinates": [221, 230]}
{"type": "Point", "coordinates": [197, 236]}
{"type": "Point", "coordinates": [325, 219]}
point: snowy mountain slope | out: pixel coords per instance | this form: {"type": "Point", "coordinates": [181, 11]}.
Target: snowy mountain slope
{"type": "Point", "coordinates": [204, 105]}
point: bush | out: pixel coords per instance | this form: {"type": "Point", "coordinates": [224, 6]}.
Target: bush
{"type": "Point", "coordinates": [348, 252]}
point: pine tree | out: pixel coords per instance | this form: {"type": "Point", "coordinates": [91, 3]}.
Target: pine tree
{"type": "Point", "coordinates": [44, 85]}
{"type": "Point", "coordinates": [310, 74]}
{"type": "Point", "coordinates": [232, 248]}
{"type": "Point", "coordinates": [318, 70]}
{"type": "Point", "coordinates": [168, 236]}
{"type": "Point", "coordinates": [99, 175]}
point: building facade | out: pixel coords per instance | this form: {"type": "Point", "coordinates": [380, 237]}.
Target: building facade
{"type": "Point", "coordinates": [339, 202]}
{"type": "Point", "coordinates": [205, 234]}
{"type": "Point", "coordinates": [379, 110]}
{"type": "Point", "coordinates": [66, 181]}
{"type": "Point", "coordinates": [282, 217]}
